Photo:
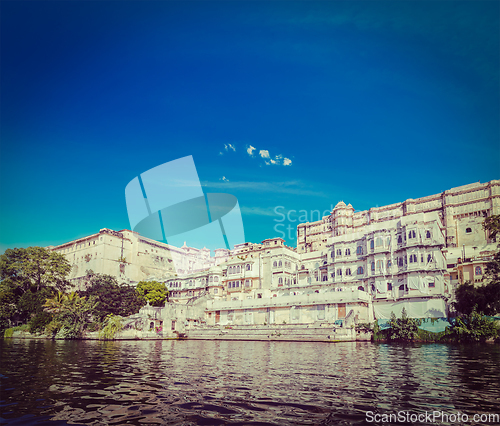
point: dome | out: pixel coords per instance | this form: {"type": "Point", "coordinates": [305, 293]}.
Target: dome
{"type": "Point", "coordinates": [340, 204]}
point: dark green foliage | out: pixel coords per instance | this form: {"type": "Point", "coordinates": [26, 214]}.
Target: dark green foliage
{"type": "Point", "coordinates": [113, 298]}
{"type": "Point", "coordinates": [28, 277]}
{"type": "Point", "coordinates": [473, 327]}
{"type": "Point", "coordinates": [404, 328]}
{"type": "Point", "coordinates": [485, 299]}
{"type": "Point", "coordinates": [492, 224]}
{"type": "Point", "coordinates": [33, 268]}
{"type": "Point", "coordinates": [154, 292]}
{"type": "Point", "coordinates": [39, 321]}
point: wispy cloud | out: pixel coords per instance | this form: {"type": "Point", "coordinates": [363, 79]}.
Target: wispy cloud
{"type": "Point", "coordinates": [224, 179]}
{"type": "Point", "coordinates": [296, 187]}
{"type": "Point", "coordinates": [228, 147]}
{"type": "Point", "coordinates": [258, 211]}
{"type": "Point", "coordinates": [277, 160]}
{"type": "Point", "coordinates": [250, 150]}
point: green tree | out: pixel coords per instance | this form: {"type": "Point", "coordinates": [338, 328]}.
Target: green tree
{"type": "Point", "coordinates": [404, 328]}
{"type": "Point", "coordinates": [473, 327]}
{"type": "Point", "coordinates": [113, 298]}
{"type": "Point", "coordinates": [154, 292]}
{"type": "Point", "coordinates": [33, 268]}
{"type": "Point", "coordinates": [484, 299]}
{"type": "Point", "coordinates": [72, 314]}
{"type": "Point", "coordinates": [113, 324]}
{"type": "Point", "coordinates": [492, 225]}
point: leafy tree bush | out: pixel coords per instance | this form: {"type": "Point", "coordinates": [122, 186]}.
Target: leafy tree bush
{"type": "Point", "coordinates": [23, 274]}
{"type": "Point", "coordinates": [113, 298]}
{"type": "Point", "coordinates": [154, 292]}
{"type": "Point", "coordinates": [473, 327]}
{"type": "Point", "coordinates": [113, 324]}
{"type": "Point", "coordinates": [485, 299]}
{"type": "Point", "coordinates": [404, 328]}
{"type": "Point", "coordinates": [72, 314]}
{"type": "Point", "coordinates": [38, 322]}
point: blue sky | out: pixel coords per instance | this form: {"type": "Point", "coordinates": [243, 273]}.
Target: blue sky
{"type": "Point", "coordinates": [370, 102]}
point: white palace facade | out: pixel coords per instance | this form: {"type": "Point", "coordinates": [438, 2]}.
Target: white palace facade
{"type": "Point", "coordinates": [349, 265]}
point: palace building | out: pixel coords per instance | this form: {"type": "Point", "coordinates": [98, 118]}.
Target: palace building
{"type": "Point", "coordinates": [348, 265]}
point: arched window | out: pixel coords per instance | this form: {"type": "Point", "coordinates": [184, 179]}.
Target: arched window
{"type": "Point", "coordinates": [468, 230]}
{"type": "Point", "coordinates": [373, 266]}
{"type": "Point", "coordinates": [249, 267]}
{"type": "Point", "coordinates": [411, 234]}
{"type": "Point", "coordinates": [280, 280]}
{"type": "Point", "coordinates": [372, 244]}
{"type": "Point", "coordinates": [339, 252]}
{"type": "Point", "coordinates": [211, 278]}
{"type": "Point", "coordinates": [427, 234]}
{"type": "Point", "coordinates": [275, 264]}
{"type": "Point", "coordinates": [478, 270]}
{"type": "Point", "coordinates": [379, 242]}
{"type": "Point", "coordinates": [360, 270]}
{"type": "Point", "coordinates": [429, 258]}
{"type": "Point", "coordinates": [413, 258]}
{"type": "Point", "coordinates": [339, 272]}
{"type": "Point", "coordinates": [325, 277]}
{"type": "Point", "coordinates": [389, 286]}
{"type": "Point", "coordinates": [379, 265]}
{"type": "Point", "coordinates": [216, 279]}
{"type": "Point", "coordinates": [400, 239]}
{"type": "Point", "coordinates": [279, 264]}
{"type": "Point", "coordinates": [348, 271]}
{"type": "Point", "coordinates": [389, 264]}
{"type": "Point", "coordinates": [359, 250]}
{"type": "Point", "coordinates": [400, 261]}
{"type": "Point", "coordinates": [238, 268]}
{"type": "Point", "coordinates": [361, 288]}
{"type": "Point", "coordinates": [347, 252]}
{"type": "Point", "coordinates": [295, 281]}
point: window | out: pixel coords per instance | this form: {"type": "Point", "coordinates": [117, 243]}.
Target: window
{"type": "Point", "coordinates": [429, 258]}
{"type": "Point", "coordinates": [402, 287]}
{"type": "Point", "coordinates": [348, 271]}
{"type": "Point", "coordinates": [247, 283]}
{"type": "Point", "coordinates": [361, 288]}
{"type": "Point", "coordinates": [372, 244]}
{"type": "Point", "coordinates": [347, 252]}
{"type": "Point", "coordinates": [249, 267]}
{"type": "Point", "coordinates": [431, 284]}
{"type": "Point", "coordinates": [413, 258]}
{"type": "Point", "coordinates": [422, 258]}
{"type": "Point", "coordinates": [339, 272]}
{"type": "Point", "coordinates": [400, 261]}
{"type": "Point", "coordinates": [389, 286]}
{"type": "Point", "coordinates": [280, 264]}
{"type": "Point", "coordinates": [389, 264]}
{"type": "Point", "coordinates": [216, 290]}
{"type": "Point", "coordinates": [275, 264]}
{"type": "Point", "coordinates": [211, 279]}
{"type": "Point", "coordinates": [379, 242]}
{"type": "Point", "coordinates": [359, 250]}
{"type": "Point", "coordinates": [237, 283]}
{"type": "Point", "coordinates": [216, 279]}
{"type": "Point", "coordinates": [238, 268]}
{"type": "Point", "coordinates": [468, 230]}
{"type": "Point", "coordinates": [373, 266]}
{"type": "Point", "coordinates": [427, 234]}
{"type": "Point", "coordinates": [379, 265]}
{"type": "Point", "coordinates": [324, 277]}
{"type": "Point", "coordinates": [339, 252]}
{"type": "Point", "coordinates": [280, 281]}
{"type": "Point", "coordinates": [360, 270]}
{"type": "Point", "coordinates": [400, 240]}
{"type": "Point", "coordinates": [411, 234]}
{"type": "Point", "coordinates": [478, 270]}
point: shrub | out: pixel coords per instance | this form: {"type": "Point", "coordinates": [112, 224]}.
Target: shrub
{"type": "Point", "coordinates": [38, 323]}
{"type": "Point", "coordinates": [473, 328]}
{"type": "Point", "coordinates": [404, 328]}
{"type": "Point", "coordinates": [113, 324]}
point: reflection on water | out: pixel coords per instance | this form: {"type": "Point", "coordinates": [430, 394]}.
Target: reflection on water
{"type": "Point", "coordinates": [229, 382]}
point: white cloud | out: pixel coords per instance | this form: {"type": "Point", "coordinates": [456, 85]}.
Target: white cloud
{"type": "Point", "coordinates": [264, 153]}
{"type": "Point", "coordinates": [224, 179]}
{"type": "Point", "coordinates": [229, 147]}
{"type": "Point", "coordinates": [250, 150]}
{"type": "Point", "coordinates": [287, 162]}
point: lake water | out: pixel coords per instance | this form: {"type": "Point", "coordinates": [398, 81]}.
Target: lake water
{"type": "Point", "coordinates": [243, 383]}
